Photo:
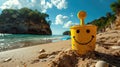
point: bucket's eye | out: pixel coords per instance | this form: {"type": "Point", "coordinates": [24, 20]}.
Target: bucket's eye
{"type": "Point", "coordinates": [77, 31]}
{"type": "Point", "coordinates": [87, 31]}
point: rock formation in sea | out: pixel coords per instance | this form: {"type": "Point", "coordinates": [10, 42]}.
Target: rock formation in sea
{"type": "Point", "coordinates": [24, 21]}
{"type": "Point", "coordinates": [66, 33]}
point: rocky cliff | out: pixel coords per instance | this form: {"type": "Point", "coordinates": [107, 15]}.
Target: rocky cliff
{"type": "Point", "coordinates": [24, 21]}
{"type": "Point", "coordinates": [117, 21]}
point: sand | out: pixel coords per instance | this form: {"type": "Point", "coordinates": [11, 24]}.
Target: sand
{"type": "Point", "coordinates": [58, 54]}
{"type": "Point", "coordinates": [28, 56]}
{"type": "Point", "coordinates": [106, 54]}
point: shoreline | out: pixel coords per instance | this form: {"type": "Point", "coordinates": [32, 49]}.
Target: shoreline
{"type": "Point", "coordinates": [9, 42]}
{"type": "Point", "coordinates": [23, 44]}
{"type": "Point", "coordinates": [26, 55]}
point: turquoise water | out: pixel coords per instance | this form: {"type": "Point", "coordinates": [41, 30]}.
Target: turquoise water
{"type": "Point", "coordinates": [11, 41]}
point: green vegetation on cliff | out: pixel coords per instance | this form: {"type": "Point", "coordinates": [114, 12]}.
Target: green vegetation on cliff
{"type": "Point", "coordinates": [24, 21]}
{"type": "Point", "coordinates": [104, 22]}
{"type": "Point", "coordinates": [115, 6]}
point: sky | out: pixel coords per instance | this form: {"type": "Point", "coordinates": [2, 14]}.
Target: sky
{"type": "Point", "coordinates": [62, 13]}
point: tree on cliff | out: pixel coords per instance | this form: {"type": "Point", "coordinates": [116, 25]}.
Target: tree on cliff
{"type": "Point", "coordinates": [115, 6]}
{"type": "Point", "coordinates": [24, 14]}
{"type": "Point", "coordinates": [103, 22]}
{"type": "Point", "coordinates": [24, 20]}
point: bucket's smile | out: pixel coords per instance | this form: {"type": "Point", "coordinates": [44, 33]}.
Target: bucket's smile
{"type": "Point", "coordinates": [85, 42]}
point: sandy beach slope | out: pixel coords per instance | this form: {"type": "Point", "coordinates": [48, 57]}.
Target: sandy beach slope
{"type": "Point", "coordinates": [25, 56]}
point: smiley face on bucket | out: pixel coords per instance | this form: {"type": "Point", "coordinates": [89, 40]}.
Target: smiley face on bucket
{"type": "Point", "coordinates": [76, 38]}
{"type": "Point", "coordinates": [83, 35]}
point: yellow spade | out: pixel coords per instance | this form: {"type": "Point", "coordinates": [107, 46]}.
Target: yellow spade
{"type": "Point", "coordinates": [83, 36]}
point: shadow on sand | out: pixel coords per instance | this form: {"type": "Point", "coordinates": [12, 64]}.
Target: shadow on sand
{"type": "Point", "coordinates": [111, 59]}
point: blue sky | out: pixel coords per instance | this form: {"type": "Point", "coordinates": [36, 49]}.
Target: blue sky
{"type": "Point", "coordinates": [62, 13]}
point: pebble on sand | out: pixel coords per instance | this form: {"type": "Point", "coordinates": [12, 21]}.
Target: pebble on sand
{"type": "Point", "coordinates": [101, 64]}
{"type": "Point", "coordinates": [8, 59]}
{"type": "Point", "coordinates": [42, 50]}
{"type": "Point", "coordinates": [43, 55]}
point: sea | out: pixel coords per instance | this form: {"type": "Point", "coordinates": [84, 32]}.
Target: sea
{"type": "Point", "coordinates": [13, 41]}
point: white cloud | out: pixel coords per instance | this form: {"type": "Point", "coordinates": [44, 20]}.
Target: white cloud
{"type": "Point", "coordinates": [11, 4]}
{"type": "Point", "coordinates": [69, 24]}
{"type": "Point", "coordinates": [60, 4]}
{"type": "Point", "coordinates": [41, 5]}
{"type": "Point", "coordinates": [45, 5]}
{"type": "Point", "coordinates": [60, 19]}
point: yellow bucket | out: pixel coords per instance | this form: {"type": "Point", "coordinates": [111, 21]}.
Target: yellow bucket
{"type": "Point", "coordinates": [83, 36]}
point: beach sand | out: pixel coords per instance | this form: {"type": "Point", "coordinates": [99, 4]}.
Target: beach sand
{"type": "Point", "coordinates": [58, 54]}
{"type": "Point", "coordinates": [106, 54]}
{"type": "Point", "coordinates": [28, 56]}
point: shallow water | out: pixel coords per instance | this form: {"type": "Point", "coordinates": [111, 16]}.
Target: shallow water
{"type": "Point", "coordinates": [11, 41]}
